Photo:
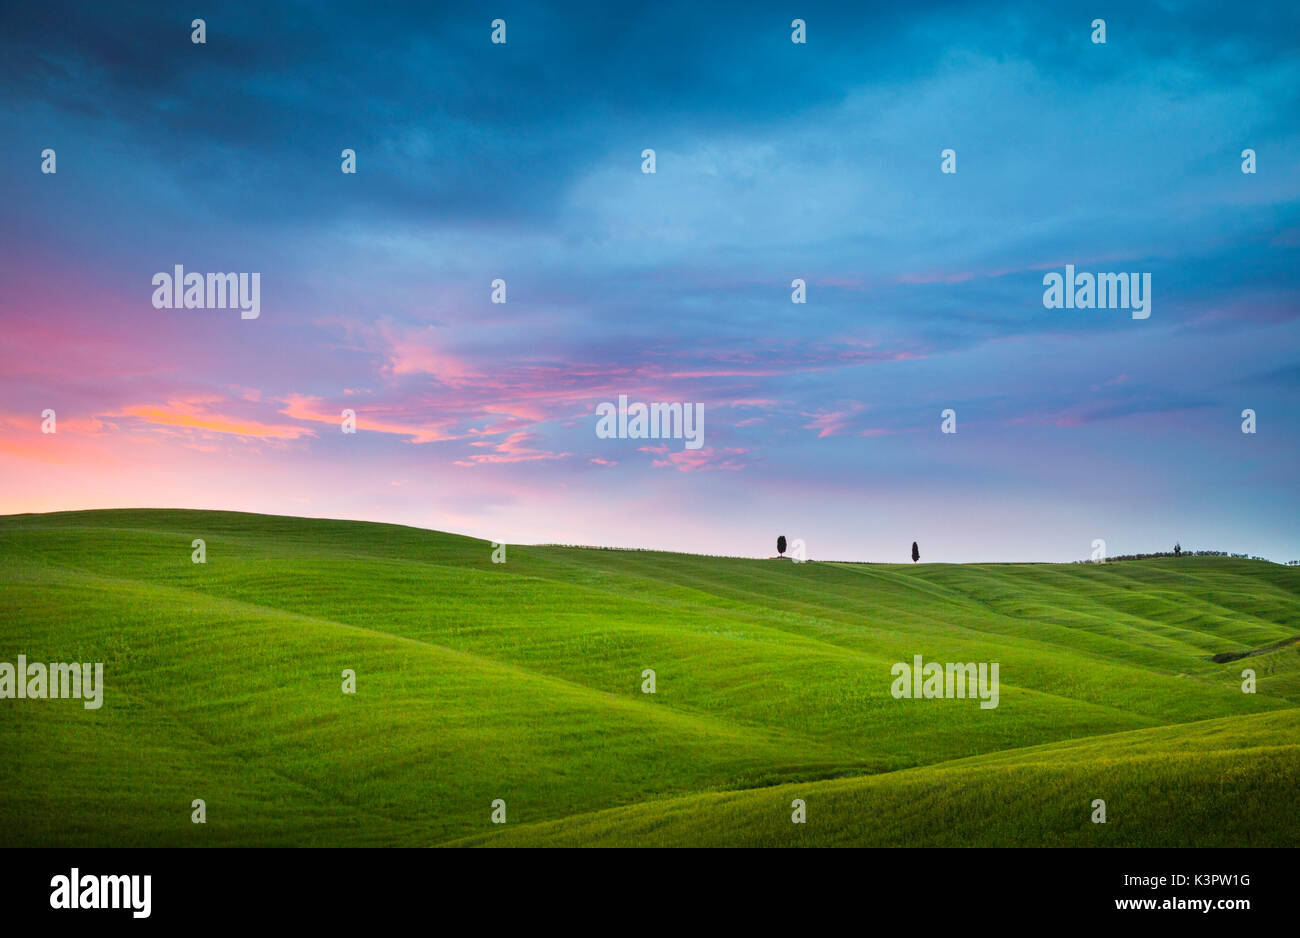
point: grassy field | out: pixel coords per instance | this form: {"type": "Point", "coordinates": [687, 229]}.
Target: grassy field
{"type": "Point", "coordinates": [522, 681]}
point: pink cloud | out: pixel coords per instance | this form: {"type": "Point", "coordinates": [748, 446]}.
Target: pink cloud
{"type": "Point", "coordinates": [697, 460]}
{"type": "Point", "coordinates": [834, 422]}
{"type": "Point", "coordinates": [368, 420]}
{"type": "Point", "coordinates": [196, 413]}
{"type": "Point", "coordinates": [513, 448]}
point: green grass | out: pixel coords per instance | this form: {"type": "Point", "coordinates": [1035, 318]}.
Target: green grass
{"type": "Point", "coordinates": [521, 681]}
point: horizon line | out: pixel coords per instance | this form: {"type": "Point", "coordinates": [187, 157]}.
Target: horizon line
{"type": "Point", "coordinates": [1117, 558]}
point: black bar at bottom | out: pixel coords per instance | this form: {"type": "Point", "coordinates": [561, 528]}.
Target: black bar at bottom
{"type": "Point", "coordinates": [653, 889]}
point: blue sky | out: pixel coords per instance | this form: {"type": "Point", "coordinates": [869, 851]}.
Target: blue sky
{"type": "Point", "coordinates": [775, 161]}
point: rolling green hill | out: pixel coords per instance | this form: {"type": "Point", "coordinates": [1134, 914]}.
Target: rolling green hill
{"type": "Point", "coordinates": [522, 681]}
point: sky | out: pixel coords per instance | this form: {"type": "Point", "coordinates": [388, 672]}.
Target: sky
{"type": "Point", "coordinates": [523, 161]}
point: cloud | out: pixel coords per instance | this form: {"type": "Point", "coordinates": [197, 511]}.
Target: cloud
{"type": "Point", "coordinates": [512, 449]}
{"type": "Point", "coordinates": [699, 460]}
{"type": "Point", "coordinates": [369, 420]}
{"type": "Point", "coordinates": [196, 414]}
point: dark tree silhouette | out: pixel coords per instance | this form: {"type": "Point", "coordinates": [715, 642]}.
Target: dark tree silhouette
{"type": "Point", "coordinates": [1178, 549]}
{"type": "Point", "coordinates": [780, 544]}
{"type": "Point", "coordinates": [916, 552]}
